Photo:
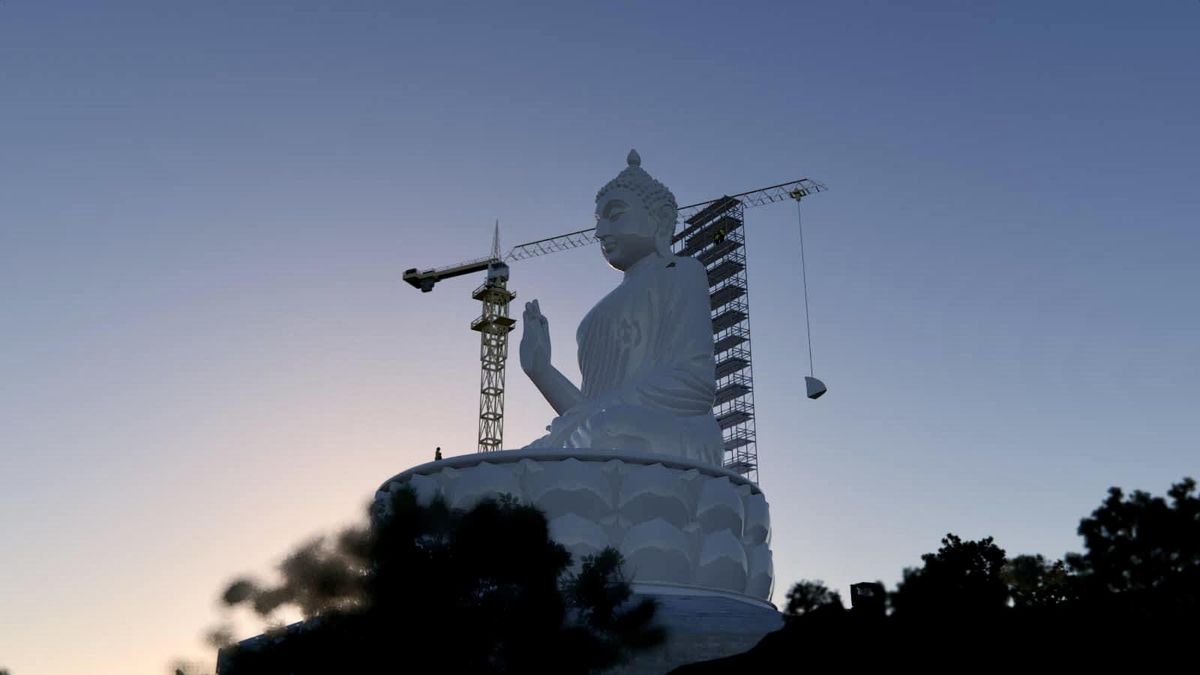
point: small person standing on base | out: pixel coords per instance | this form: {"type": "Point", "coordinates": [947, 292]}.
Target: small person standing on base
{"type": "Point", "coordinates": [437, 454]}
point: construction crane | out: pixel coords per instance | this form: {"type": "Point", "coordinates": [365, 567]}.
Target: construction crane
{"type": "Point", "coordinates": [493, 325]}
{"type": "Point", "coordinates": [713, 233]}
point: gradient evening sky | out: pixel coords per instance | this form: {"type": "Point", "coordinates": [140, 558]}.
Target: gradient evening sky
{"type": "Point", "coordinates": [207, 353]}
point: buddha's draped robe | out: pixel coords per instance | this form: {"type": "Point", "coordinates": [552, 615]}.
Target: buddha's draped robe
{"type": "Point", "coordinates": [646, 356]}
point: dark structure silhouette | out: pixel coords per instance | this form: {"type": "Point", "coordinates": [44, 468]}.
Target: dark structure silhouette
{"type": "Point", "coordinates": [869, 597]}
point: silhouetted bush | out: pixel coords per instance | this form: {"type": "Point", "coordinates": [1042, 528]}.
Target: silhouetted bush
{"type": "Point", "coordinates": [962, 578]}
{"type": "Point", "coordinates": [1142, 555]}
{"type": "Point", "coordinates": [428, 588]}
{"type": "Point", "coordinates": [1131, 600]}
{"type": "Point", "coordinates": [806, 596]}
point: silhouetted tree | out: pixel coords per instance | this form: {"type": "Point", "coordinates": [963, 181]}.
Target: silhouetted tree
{"type": "Point", "coordinates": [600, 598]}
{"type": "Point", "coordinates": [806, 596]}
{"type": "Point", "coordinates": [1143, 553]}
{"type": "Point", "coordinates": [962, 578]}
{"type": "Point", "coordinates": [480, 591]}
{"type": "Point", "coordinates": [1130, 601]}
{"type": "Point", "coordinates": [1034, 582]}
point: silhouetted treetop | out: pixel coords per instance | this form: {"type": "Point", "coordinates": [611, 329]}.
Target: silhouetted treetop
{"type": "Point", "coordinates": [808, 595]}
{"type": "Point", "coordinates": [962, 577]}
{"type": "Point", "coordinates": [1034, 581]}
{"type": "Point", "coordinates": [1144, 547]}
{"type": "Point", "coordinates": [479, 591]}
{"type": "Point", "coordinates": [1131, 602]}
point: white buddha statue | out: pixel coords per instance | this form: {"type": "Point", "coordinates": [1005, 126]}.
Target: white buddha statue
{"type": "Point", "coordinates": [646, 349]}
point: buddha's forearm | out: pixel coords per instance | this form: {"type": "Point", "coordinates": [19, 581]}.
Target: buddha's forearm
{"type": "Point", "coordinates": [558, 390]}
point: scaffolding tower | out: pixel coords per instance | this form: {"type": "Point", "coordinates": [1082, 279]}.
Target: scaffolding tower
{"type": "Point", "coordinates": [493, 325]}
{"type": "Point", "coordinates": [716, 237]}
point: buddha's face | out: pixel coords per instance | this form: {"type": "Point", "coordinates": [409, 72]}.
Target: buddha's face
{"type": "Point", "coordinates": [624, 227]}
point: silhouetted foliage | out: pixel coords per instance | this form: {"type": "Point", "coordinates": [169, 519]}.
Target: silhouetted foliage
{"type": "Point", "coordinates": [963, 577]}
{"type": "Point", "coordinates": [1143, 553]}
{"type": "Point", "coordinates": [1034, 582]}
{"type": "Point", "coordinates": [806, 596]}
{"type": "Point", "coordinates": [480, 591]}
{"type": "Point", "coordinates": [599, 597]}
{"type": "Point", "coordinates": [1131, 600]}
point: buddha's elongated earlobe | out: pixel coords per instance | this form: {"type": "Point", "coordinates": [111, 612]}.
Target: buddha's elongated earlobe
{"type": "Point", "coordinates": [664, 231]}
{"type": "Point", "coordinates": [662, 241]}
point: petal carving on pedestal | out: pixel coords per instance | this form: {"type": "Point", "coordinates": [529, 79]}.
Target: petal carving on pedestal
{"type": "Point", "coordinates": [580, 536]}
{"type": "Point", "coordinates": [758, 520]}
{"type": "Point", "coordinates": [571, 486]}
{"type": "Point", "coordinates": [719, 507]}
{"type": "Point", "coordinates": [654, 491]}
{"type": "Point", "coordinates": [762, 572]}
{"type": "Point", "coordinates": [425, 487]}
{"type": "Point", "coordinates": [656, 550]}
{"type": "Point", "coordinates": [722, 562]}
{"type": "Point", "coordinates": [674, 523]}
{"type": "Point", "coordinates": [482, 481]}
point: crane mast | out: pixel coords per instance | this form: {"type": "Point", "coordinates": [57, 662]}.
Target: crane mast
{"type": "Point", "coordinates": [493, 325]}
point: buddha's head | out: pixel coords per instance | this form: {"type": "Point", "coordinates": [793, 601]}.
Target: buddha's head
{"type": "Point", "coordinates": [635, 216]}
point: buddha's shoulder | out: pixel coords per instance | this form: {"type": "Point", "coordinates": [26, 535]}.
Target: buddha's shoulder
{"type": "Point", "coordinates": [687, 269]}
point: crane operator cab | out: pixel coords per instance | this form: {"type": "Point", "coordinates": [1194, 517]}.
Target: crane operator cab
{"type": "Point", "coordinates": [497, 271]}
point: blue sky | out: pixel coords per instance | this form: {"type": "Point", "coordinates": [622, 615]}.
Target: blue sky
{"type": "Point", "coordinates": [207, 353]}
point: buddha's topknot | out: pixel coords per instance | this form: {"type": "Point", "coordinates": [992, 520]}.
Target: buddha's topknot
{"type": "Point", "coordinates": [655, 196]}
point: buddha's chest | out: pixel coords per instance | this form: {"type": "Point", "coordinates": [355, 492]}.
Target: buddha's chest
{"type": "Point", "coordinates": [626, 320]}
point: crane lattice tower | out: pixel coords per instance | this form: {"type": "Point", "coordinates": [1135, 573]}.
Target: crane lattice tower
{"type": "Point", "coordinates": [493, 325]}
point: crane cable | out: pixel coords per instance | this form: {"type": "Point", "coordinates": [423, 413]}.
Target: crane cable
{"type": "Point", "coordinates": [804, 284]}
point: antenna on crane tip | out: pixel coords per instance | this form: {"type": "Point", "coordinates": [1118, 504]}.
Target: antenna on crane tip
{"type": "Point", "coordinates": [816, 388]}
{"type": "Point", "coordinates": [496, 241]}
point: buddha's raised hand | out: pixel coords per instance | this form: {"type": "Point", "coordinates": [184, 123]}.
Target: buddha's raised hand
{"type": "Point", "coordinates": [535, 340]}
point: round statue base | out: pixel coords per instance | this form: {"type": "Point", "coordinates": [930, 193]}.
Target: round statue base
{"type": "Point", "coordinates": [689, 532]}
{"type": "Point", "coordinates": [701, 628]}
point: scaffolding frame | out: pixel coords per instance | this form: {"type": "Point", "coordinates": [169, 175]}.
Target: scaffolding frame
{"type": "Point", "coordinates": [715, 235]}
